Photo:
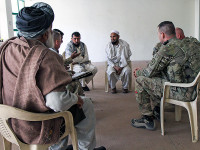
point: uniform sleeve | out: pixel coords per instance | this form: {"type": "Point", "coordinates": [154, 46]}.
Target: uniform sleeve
{"type": "Point", "coordinates": [159, 62]}
{"type": "Point", "coordinates": [156, 48]}
{"type": "Point", "coordinates": [68, 61]}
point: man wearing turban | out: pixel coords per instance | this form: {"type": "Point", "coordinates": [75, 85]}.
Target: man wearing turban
{"type": "Point", "coordinates": [118, 56]}
{"type": "Point", "coordinates": [33, 78]}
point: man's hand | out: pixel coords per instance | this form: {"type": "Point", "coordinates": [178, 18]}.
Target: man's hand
{"type": "Point", "coordinates": [118, 69]}
{"type": "Point", "coordinates": [80, 102]}
{"type": "Point", "coordinates": [74, 55]}
{"type": "Point", "coordinates": [67, 67]}
{"type": "Point", "coordinates": [134, 72]}
{"type": "Point", "coordinates": [74, 63]}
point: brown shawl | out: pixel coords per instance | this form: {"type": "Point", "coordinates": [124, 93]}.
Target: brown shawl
{"type": "Point", "coordinates": [28, 71]}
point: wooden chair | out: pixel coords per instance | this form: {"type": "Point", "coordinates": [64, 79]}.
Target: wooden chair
{"type": "Point", "coordinates": [190, 106]}
{"type": "Point", "coordinates": [106, 78]}
{"type": "Point", "coordinates": [9, 136]}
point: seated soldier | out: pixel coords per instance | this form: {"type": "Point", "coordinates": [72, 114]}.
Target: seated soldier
{"type": "Point", "coordinates": [170, 63]}
{"type": "Point", "coordinates": [75, 86]}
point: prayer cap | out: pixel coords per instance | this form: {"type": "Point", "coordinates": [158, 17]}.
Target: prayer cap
{"type": "Point", "coordinates": [115, 31]}
{"type": "Point", "coordinates": [35, 20]}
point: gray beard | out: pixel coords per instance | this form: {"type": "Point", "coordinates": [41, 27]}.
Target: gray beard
{"type": "Point", "coordinates": [49, 43]}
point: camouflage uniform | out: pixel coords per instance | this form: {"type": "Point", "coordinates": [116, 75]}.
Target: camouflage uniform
{"type": "Point", "coordinates": [75, 87]}
{"type": "Point", "coordinates": [166, 65]}
{"type": "Point", "coordinates": [156, 48]}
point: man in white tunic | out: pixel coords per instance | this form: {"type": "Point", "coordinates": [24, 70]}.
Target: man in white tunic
{"type": "Point", "coordinates": [82, 62]}
{"type": "Point", "coordinates": [118, 56]}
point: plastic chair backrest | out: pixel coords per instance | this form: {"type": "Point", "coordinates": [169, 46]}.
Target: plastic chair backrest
{"type": "Point", "coordinates": [8, 112]}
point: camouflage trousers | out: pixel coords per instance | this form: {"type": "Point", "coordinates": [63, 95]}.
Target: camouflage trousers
{"type": "Point", "coordinates": [149, 92]}
{"type": "Point", "coordinates": [75, 87]}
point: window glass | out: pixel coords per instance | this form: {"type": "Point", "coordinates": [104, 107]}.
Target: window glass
{"type": "Point", "coordinates": [16, 6]}
{"type": "Point", "coordinates": [21, 4]}
{"type": "Point", "coordinates": [14, 20]}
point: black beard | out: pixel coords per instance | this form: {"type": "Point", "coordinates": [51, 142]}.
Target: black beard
{"type": "Point", "coordinates": [114, 43]}
{"type": "Point", "coordinates": [77, 45]}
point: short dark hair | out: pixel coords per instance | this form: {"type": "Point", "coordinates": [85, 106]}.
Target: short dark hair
{"type": "Point", "coordinates": [57, 30]}
{"type": "Point", "coordinates": [167, 27]}
{"type": "Point", "coordinates": [56, 35]}
{"type": "Point", "coordinates": [77, 34]}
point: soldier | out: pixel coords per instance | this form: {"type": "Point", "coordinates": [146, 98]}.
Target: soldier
{"type": "Point", "coordinates": [156, 48]}
{"type": "Point", "coordinates": [179, 33]}
{"type": "Point", "coordinates": [166, 65]}
{"type": "Point", "coordinates": [74, 86]}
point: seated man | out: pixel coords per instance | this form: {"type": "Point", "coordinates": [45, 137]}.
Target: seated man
{"type": "Point", "coordinates": [179, 33]}
{"type": "Point", "coordinates": [118, 56]}
{"type": "Point", "coordinates": [57, 44]}
{"type": "Point", "coordinates": [82, 62]}
{"type": "Point", "coordinates": [33, 78]}
{"type": "Point", "coordinates": [169, 64]}
{"type": "Point", "coordinates": [75, 86]}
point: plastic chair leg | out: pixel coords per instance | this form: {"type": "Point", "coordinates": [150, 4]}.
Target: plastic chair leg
{"type": "Point", "coordinates": [92, 84]}
{"type": "Point", "coordinates": [162, 117]}
{"type": "Point", "coordinates": [130, 85]}
{"type": "Point", "coordinates": [74, 140]}
{"type": "Point", "coordinates": [106, 82]}
{"type": "Point", "coordinates": [192, 112]}
{"type": "Point", "coordinates": [7, 145]}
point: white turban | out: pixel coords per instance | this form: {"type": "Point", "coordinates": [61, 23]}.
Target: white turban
{"type": "Point", "coordinates": [115, 31]}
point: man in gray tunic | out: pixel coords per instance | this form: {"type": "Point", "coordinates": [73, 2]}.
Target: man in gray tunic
{"type": "Point", "coordinates": [74, 86]}
{"type": "Point", "coordinates": [82, 62]}
{"type": "Point", "coordinates": [118, 57]}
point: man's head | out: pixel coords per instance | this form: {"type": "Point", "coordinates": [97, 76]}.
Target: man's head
{"type": "Point", "coordinates": [166, 31]}
{"type": "Point", "coordinates": [35, 22]}
{"type": "Point", "coordinates": [76, 38]}
{"type": "Point", "coordinates": [179, 33]}
{"type": "Point", "coordinates": [61, 33]}
{"type": "Point", "coordinates": [57, 38]}
{"type": "Point", "coordinates": [114, 36]}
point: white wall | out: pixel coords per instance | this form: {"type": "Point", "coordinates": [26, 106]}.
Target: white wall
{"type": "Point", "coordinates": [6, 23]}
{"type": "Point", "coordinates": [136, 21]}
{"type": "Point", "coordinates": [197, 19]}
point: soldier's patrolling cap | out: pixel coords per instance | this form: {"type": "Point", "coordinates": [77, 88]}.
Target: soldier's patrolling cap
{"type": "Point", "coordinates": [115, 31]}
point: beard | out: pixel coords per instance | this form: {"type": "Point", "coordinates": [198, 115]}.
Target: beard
{"type": "Point", "coordinates": [114, 42]}
{"type": "Point", "coordinates": [50, 43]}
{"type": "Point", "coordinates": [77, 45]}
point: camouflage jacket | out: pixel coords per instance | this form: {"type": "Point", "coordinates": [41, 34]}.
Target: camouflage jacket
{"type": "Point", "coordinates": [166, 63]}
{"type": "Point", "coordinates": [156, 48]}
{"type": "Point", "coordinates": [191, 63]}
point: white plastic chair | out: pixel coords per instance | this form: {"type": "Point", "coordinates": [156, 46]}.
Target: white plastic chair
{"type": "Point", "coordinates": [9, 136]}
{"type": "Point", "coordinates": [190, 106]}
{"type": "Point", "coordinates": [106, 78]}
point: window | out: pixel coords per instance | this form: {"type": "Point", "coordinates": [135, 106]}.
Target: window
{"type": "Point", "coordinates": [16, 6]}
